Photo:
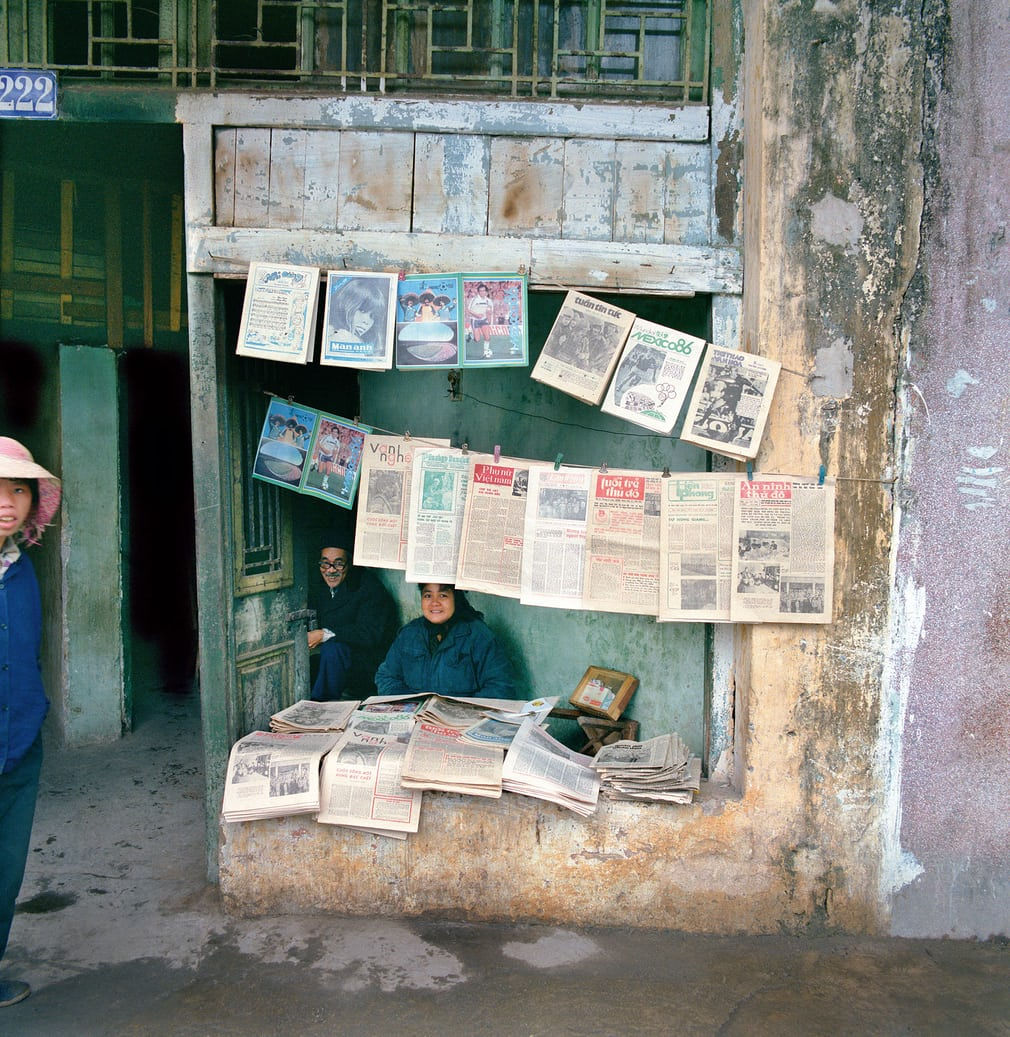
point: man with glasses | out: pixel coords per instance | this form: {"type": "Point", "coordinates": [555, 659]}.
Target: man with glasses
{"type": "Point", "coordinates": [356, 621]}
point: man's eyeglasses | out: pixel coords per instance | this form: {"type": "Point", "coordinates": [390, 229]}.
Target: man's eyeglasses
{"type": "Point", "coordinates": [338, 566]}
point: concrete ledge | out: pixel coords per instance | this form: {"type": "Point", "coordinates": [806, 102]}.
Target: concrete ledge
{"type": "Point", "coordinates": [654, 865]}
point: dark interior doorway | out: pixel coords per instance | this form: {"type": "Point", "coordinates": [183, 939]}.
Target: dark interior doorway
{"type": "Point", "coordinates": [159, 534]}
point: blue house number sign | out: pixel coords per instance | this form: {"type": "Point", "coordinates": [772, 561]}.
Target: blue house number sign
{"type": "Point", "coordinates": [27, 94]}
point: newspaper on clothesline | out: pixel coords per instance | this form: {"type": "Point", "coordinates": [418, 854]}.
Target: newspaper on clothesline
{"type": "Point", "coordinates": [696, 547]}
{"type": "Point", "coordinates": [307, 715]}
{"type": "Point", "coordinates": [730, 403]}
{"type": "Point", "coordinates": [661, 769]}
{"type": "Point", "coordinates": [491, 541]}
{"type": "Point", "coordinates": [784, 556]}
{"type": "Point", "coordinates": [438, 488]}
{"type": "Point", "coordinates": [274, 775]}
{"type": "Point", "coordinates": [438, 758]}
{"type": "Point", "coordinates": [653, 376]}
{"type": "Point", "coordinates": [382, 529]}
{"type": "Point", "coordinates": [540, 766]}
{"type": "Point", "coordinates": [360, 785]}
{"type": "Point", "coordinates": [582, 347]}
{"type": "Point", "coordinates": [554, 537]}
{"type": "Point", "coordinates": [622, 543]}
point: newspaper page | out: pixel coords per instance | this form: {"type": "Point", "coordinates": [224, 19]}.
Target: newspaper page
{"type": "Point", "coordinates": [360, 785]}
{"type": "Point", "coordinates": [730, 403]}
{"type": "Point", "coordinates": [438, 485]}
{"type": "Point", "coordinates": [273, 775]}
{"type": "Point", "coordinates": [622, 543]}
{"type": "Point", "coordinates": [279, 313]}
{"type": "Point", "coordinates": [554, 537]}
{"type": "Point", "coordinates": [491, 543]}
{"type": "Point", "coordinates": [581, 350]}
{"type": "Point", "coordinates": [538, 765]}
{"type": "Point", "coordinates": [696, 547]}
{"type": "Point", "coordinates": [653, 376]}
{"type": "Point", "coordinates": [784, 554]}
{"type": "Point", "coordinates": [380, 535]}
{"type": "Point", "coordinates": [438, 758]}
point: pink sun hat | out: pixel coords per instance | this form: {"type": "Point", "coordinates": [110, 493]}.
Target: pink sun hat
{"type": "Point", "coordinates": [16, 462]}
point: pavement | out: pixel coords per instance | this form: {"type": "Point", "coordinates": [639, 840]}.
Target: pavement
{"type": "Point", "coordinates": [118, 932]}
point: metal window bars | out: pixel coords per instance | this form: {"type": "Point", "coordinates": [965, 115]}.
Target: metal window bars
{"type": "Point", "coordinates": [656, 50]}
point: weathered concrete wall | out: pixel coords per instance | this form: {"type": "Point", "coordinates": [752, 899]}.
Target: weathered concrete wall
{"type": "Point", "coordinates": [950, 865]}
{"type": "Point", "coordinates": [832, 201]}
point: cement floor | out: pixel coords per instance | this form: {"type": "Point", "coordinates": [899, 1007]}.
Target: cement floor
{"type": "Point", "coordinates": [118, 933]}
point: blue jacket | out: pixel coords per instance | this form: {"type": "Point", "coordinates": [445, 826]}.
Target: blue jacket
{"type": "Point", "coordinates": [469, 661]}
{"type": "Point", "coordinates": [23, 702]}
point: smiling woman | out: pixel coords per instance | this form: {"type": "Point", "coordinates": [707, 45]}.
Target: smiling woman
{"type": "Point", "coordinates": [449, 650]}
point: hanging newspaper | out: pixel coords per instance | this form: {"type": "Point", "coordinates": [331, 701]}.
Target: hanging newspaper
{"type": "Point", "coordinates": [438, 487]}
{"type": "Point", "coordinates": [279, 313]}
{"type": "Point", "coordinates": [360, 786]}
{"type": "Point", "coordinates": [360, 319]}
{"type": "Point", "coordinates": [491, 543]}
{"type": "Point", "coordinates": [653, 376]}
{"type": "Point", "coordinates": [622, 543]}
{"type": "Point", "coordinates": [785, 550]}
{"type": "Point", "coordinates": [554, 537]}
{"type": "Point", "coordinates": [730, 403]}
{"type": "Point", "coordinates": [696, 547]}
{"type": "Point", "coordinates": [273, 775]}
{"type": "Point", "coordinates": [384, 497]}
{"type": "Point", "coordinates": [581, 350]}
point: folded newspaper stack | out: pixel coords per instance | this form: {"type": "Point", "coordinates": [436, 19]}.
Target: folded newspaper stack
{"type": "Point", "coordinates": [438, 758]}
{"type": "Point", "coordinates": [307, 715]}
{"type": "Point", "coordinates": [661, 768]}
{"type": "Point", "coordinates": [273, 775]}
{"type": "Point", "coordinates": [538, 765]}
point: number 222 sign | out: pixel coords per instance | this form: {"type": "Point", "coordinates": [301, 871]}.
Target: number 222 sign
{"type": "Point", "coordinates": [27, 94]}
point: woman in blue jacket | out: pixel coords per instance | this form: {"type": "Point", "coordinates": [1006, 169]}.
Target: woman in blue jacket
{"type": "Point", "coordinates": [448, 651]}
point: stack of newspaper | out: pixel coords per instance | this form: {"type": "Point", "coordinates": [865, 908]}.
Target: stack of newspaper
{"type": "Point", "coordinates": [361, 786]}
{"type": "Point", "coordinates": [538, 765]}
{"type": "Point", "coordinates": [438, 758]}
{"type": "Point", "coordinates": [661, 768]}
{"type": "Point", "coordinates": [273, 775]}
{"type": "Point", "coordinates": [306, 715]}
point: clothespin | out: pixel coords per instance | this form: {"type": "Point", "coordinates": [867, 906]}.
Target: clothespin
{"type": "Point", "coordinates": [497, 453]}
{"type": "Point", "coordinates": [666, 471]}
{"type": "Point", "coordinates": [821, 472]}
{"type": "Point", "coordinates": [357, 419]}
{"type": "Point", "coordinates": [465, 449]}
{"type": "Point", "coordinates": [750, 471]}
{"type": "Point", "coordinates": [406, 435]}
{"type": "Point", "coordinates": [603, 468]}
{"type": "Point", "coordinates": [557, 461]}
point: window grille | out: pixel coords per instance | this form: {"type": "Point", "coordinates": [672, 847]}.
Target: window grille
{"type": "Point", "coordinates": [634, 49]}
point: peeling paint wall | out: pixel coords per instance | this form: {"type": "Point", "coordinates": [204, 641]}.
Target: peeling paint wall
{"type": "Point", "coordinates": [951, 828]}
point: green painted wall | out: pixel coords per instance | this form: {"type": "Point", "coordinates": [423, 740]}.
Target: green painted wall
{"type": "Point", "coordinates": [551, 648]}
{"type": "Point", "coordinates": [92, 573]}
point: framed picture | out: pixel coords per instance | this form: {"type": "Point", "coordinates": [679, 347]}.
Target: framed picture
{"type": "Point", "coordinates": [495, 322]}
{"type": "Point", "coordinates": [359, 320]}
{"type": "Point", "coordinates": [604, 693]}
{"type": "Point", "coordinates": [427, 322]}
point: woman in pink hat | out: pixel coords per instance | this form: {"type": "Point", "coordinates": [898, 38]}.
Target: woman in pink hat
{"type": "Point", "coordinates": [29, 497]}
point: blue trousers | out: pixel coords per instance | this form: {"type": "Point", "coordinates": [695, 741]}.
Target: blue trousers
{"type": "Point", "coordinates": [334, 662]}
{"type": "Point", "coordinates": [18, 792]}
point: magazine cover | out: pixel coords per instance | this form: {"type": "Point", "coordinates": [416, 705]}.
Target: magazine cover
{"type": "Point", "coordinates": [581, 351]}
{"type": "Point", "coordinates": [279, 313]}
{"type": "Point", "coordinates": [427, 322]}
{"type": "Point", "coordinates": [359, 321]}
{"type": "Point", "coordinates": [335, 460]}
{"type": "Point", "coordinates": [284, 443]}
{"type": "Point", "coordinates": [496, 331]}
{"type": "Point", "coordinates": [730, 403]}
{"type": "Point", "coordinates": [310, 452]}
{"type": "Point", "coordinates": [653, 376]}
